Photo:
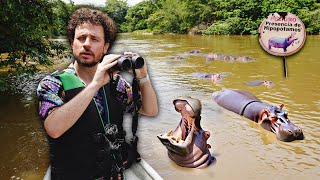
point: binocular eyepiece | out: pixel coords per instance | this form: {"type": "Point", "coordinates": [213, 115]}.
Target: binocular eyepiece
{"type": "Point", "coordinates": [125, 63]}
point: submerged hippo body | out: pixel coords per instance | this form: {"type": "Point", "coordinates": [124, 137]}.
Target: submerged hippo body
{"type": "Point", "coordinates": [268, 84]}
{"type": "Point", "coordinates": [177, 58]}
{"type": "Point", "coordinates": [269, 117]}
{"type": "Point", "coordinates": [215, 78]}
{"type": "Point", "coordinates": [194, 51]}
{"type": "Point", "coordinates": [187, 144]}
{"type": "Point", "coordinates": [227, 58]}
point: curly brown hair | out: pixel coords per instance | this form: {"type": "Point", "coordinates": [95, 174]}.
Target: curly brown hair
{"type": "Point", "coordinates": [93, 16]}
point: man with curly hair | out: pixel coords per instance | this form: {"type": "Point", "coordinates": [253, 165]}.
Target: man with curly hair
{"type": "Point", "coordinates": [77, 104]}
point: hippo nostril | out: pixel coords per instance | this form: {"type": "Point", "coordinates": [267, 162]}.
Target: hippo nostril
{"type": "Point", "coordinates": [298, 130]}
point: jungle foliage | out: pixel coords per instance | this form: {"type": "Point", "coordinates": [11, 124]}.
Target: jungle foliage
{"type": "Point", "coordinates": [27, 25]}
{"type": "Point", "coordinates": [24, 32]}
{"type": "Point", "coordinates": [216, 16]}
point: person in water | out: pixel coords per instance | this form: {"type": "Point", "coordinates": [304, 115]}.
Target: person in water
{"type": "Point", "coordinates": [78, 104]}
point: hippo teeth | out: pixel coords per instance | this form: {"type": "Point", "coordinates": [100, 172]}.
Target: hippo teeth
{"type": "Point", "coordinates": [273, 128]}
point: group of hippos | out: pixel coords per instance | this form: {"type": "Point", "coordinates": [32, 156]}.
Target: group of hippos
{"type": "Point", "coordinates": [216, 78]}
{"type": "Point", "coordinates": [187, 143]}
{"type": "Point", "coordinates": [214, 56]}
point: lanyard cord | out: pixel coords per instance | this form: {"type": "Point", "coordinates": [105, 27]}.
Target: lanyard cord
{"type": "Point", "coordinates": [107, 110]}
{"type": "Point", "coordinates": [106, 104]}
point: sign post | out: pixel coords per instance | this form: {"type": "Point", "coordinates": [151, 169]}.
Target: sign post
{"type": "Point", "coordinates": [282, 34]}
{"type": "Point", "coordinates": [285, 70]}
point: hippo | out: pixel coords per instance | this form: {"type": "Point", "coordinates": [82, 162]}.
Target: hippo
{"type": "Point", "coordinates": [269, 117]}
{"type": "Point", "coordinates": [194, 51]}
{"type": "Point", "coordinates": [278, 42]}
{"type": "Point", "coordinates": [268, 84]}
{"type": "Point", "coordinates": [244, 59]}
{"type": "Point", "coordinates": [215, 78]}
{"type": "Point", "coordinates": [228, 58]}
{"type": "Point", "coordinates": [177, 58]}
{"type": "Point", "coordinates": [187, 144]}
{"type": "Point", "coordinates": [214, 56]}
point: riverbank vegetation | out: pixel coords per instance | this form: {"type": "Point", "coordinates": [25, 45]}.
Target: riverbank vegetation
{"type": "Point", "coordinates": [27, 26]}
{"type": "Point", "coordinates": [218, 17]}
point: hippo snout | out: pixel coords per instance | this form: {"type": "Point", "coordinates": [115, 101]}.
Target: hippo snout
{"type": "Point", "coordinates": [298, 133]}
{"type": "Point", "coordinates": [289, 132]}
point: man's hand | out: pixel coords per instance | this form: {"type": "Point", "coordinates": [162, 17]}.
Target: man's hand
{"type": "Point", "coordinates": [149, 99]}
{"type": "Point", "coordinates": [142, 72]}
{"type": "Point", "coordinates": [101, 76]}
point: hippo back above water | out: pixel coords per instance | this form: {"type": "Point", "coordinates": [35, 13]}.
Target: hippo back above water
{"type": "Point", "coordinates": [227, 58]}
{"type": "Point", "coordinates": [269, 117]}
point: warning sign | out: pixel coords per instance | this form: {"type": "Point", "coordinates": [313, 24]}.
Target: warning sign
{"type": "Point", "coordinates": [282, 34]}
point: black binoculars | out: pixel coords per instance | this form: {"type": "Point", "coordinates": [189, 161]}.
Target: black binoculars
{"type": "Point", "coordinates": [125, 63]}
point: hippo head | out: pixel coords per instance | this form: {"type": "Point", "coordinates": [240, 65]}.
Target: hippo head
{"type": "Point", "coordinates": [276, 120]}
{"type": "Point", "coordinates": [268, 84]}
{"type": "Point", "coordinates": [215, 78]}
{"type": "Point", "coordinates": [291, 40]}
{"type": "Point", "coordinates": [187, 144]}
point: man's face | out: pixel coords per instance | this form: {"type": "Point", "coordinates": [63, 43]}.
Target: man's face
{"type": "Point", "coordinates": [88, 44]}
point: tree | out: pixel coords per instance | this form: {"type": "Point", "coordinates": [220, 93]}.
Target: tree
{"type": "Point", "coordinates": [168, 18]}
{"type": "Point", "coordinates": [136, 18]}
{"type": "Point", "coordinates": [117, 10]}
{"type": "Point", "coordinates": [61, 14]}
{"type": "Point", "coordinates": [24, 28]}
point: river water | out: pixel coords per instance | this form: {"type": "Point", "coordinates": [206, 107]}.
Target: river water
{"type": "Point", "coordinates": [243, 150]}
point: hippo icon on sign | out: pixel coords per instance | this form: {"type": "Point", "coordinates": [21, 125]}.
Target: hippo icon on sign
{"type": "Point", "coordinates": [279, 42]}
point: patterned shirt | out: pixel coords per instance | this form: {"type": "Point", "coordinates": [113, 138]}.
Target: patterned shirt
{"type": "Point", "coordinates": [51, 94]}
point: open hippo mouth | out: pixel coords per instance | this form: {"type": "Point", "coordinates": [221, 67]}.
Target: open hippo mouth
{"type": "Point", "coordinates": [279, 124]}
{"type": "Point", "coordinates": [187, 144]}
{"type": "Point", "coordinates": [180, 140]}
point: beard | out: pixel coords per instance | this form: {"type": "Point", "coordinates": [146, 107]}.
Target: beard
{"type": "Point", "coordinates": [96, 57]}
{"type": "Point", "coordinates": [86, 64]}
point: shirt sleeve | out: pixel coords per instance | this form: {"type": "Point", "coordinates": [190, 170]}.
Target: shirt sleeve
{"type": "Point", "coordinates": [49, 93]}
{"type": "Point", "coordinates": [125, 95]}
